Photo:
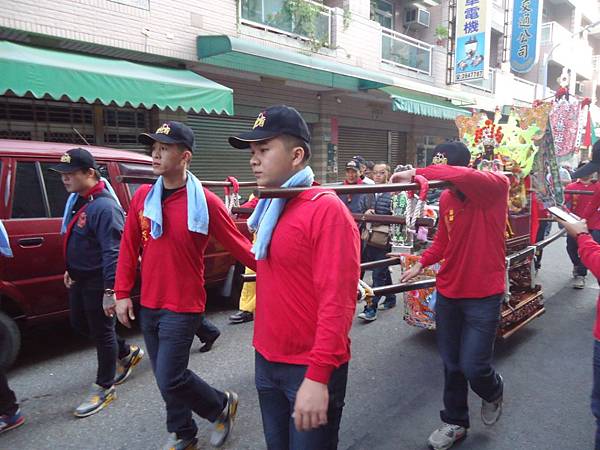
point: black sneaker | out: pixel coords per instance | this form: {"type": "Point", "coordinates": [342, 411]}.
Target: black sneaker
{"type": "Point", "coordinates": [241, 317]}
{"type": "Point", "coordinates": [209, 344]}
{"type": "Point", "coordinates": [173, 443]}
{"type": "Point", "coordinates": [224, 424]}
{"type": "Point", "coordinates": [125, 365]}
{"type": "Point", "coordinates": [97, 399]}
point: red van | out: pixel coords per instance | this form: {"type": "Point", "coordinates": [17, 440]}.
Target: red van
{"type": "Point", "coordinates": [32, 200]}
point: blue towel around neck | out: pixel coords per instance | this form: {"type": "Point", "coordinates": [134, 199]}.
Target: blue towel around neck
{"type": "Point", "coordinates": [197, 208]}
{"type": "Point", "coordinates": [5, 249]}
{"type": "Point", "coordinates": [264, 218]}
{"type": "Point", "coordinates": [71, 203]}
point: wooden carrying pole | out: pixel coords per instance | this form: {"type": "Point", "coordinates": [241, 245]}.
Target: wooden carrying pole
{"type": "Point", "coordinates": [364, 218]}
{"type": "Point", "coordinates": [348, 189]}
{"type": "Point", "coordinates": [148, 179]}
{"type": "Point", "coordinates": [353, 188]}
{"type": "Point", "coordinates": [578, 192]}
{"type": "Point", "coordinates": [250, 278]}
{"type": "Point", "coordinates": [391, 220]}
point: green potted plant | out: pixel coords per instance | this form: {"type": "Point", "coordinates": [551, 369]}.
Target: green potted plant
{"type": "Point", "coordinates": [441, 34]}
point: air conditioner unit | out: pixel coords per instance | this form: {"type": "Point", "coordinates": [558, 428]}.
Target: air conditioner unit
{"type": "Point", "coordinates": [416, 16]}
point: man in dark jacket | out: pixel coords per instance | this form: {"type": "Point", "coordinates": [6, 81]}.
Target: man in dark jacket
{"type": "Point", "coordinates": [92, 225]}
{"type": "Point", "coordinates": [381, 276]}
{"type": "Point", "coordinates": [356, 203]}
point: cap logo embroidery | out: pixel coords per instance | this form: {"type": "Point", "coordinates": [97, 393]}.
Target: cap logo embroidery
{"type": "Point", "coordinates": [260, 121]}
{"type": "Point", "coordinates": [440, 158]}
{"type": "Point", "coordinates": [66, 158]}
{"type": "Point", "coordinates": [164, 129]}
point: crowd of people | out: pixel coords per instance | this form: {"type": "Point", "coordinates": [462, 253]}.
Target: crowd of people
{"type": "Point", "coordinates": [301, 338]}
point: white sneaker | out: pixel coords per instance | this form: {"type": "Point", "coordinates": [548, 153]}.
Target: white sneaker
{"type": "Point", "coordinates": [491, 411]}
{"type": "Point", "coordinates": [578, 282]}
{"type": "Point", "coordinates": [446, 436]}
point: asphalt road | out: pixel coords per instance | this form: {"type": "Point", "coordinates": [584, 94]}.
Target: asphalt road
{"type": "Point", "coordinates": [394, 390]}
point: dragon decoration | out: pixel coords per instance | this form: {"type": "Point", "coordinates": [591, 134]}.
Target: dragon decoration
{"type": "Point", "coordinates": [509, 146]}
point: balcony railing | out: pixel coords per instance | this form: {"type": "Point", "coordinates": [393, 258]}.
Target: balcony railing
{"type": "Point", "coordinates": [486, 84]}
{"type": "Point", "coordinates": [528, 91]}
{"type": "Point", "coordinates": [524, 90]}
{"type": "Point", "coordinates": [596, 63]}
{"type": "Point", "coordinates": [405, 51]}
{"type": "Point", "coordinates": [271, 15]}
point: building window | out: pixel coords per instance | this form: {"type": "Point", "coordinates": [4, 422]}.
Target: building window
{"type": "Point", "coordinates": [19, 135]}
{"type": "Point", "coordinates": [41, 120]}
{"type": "Point", "coordinates": [123, 126]}
{"type": "Point", "coordinates": [382, 11]}
{"type": "Point", "coordinates": [68, 138]}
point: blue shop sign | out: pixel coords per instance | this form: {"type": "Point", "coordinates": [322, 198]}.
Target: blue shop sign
{"type": "Point", "coordinates": [525, 35]}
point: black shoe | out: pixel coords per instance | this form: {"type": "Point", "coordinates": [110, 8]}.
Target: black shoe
{"type": "Point", "coordinates": [241, 317]}
{"type": "Point", "coordinates": [125, 365]}
{"type": "Point", "coordinates": [208, 344]}
{"type": "Point", "coordinates": [224, 423]}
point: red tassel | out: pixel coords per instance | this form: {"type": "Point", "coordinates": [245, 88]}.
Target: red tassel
{"type": "Point", "coordinates": [587, 138]}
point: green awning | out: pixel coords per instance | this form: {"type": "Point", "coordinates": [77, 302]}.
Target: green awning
{"type": "Point", "coordinates": [423, 104]}
{"type": "Point", "coordinates": [55, 73]}
{"type": "Point", "coordinates": [250, 56]}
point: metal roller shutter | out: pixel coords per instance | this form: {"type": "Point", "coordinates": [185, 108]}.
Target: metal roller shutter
{"type": "Point", "coordinates": [398, 148]}
{"type": "Point", "coordinates": [214, 159]}
{"type": "Point", "coordinates": [370, 144]}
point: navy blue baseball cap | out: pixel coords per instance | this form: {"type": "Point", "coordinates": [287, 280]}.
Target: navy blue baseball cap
{"type": "Point", "coordinates": [453, 153]}
{"type": "Point", "coordinates": [354, 165]}
{"type": "Point", "coordinates": [592, 166]}
{"type": "Point", "coordinates": [272, 122]}
{"type": "Point", "coordinates": [170, 132]}
{"type": "Point", "coordinates": [74, 160]}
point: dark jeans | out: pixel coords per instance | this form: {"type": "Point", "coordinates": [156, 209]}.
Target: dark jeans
{"type": "Point", "coordinates": [466, 330]}
{"type": "Point", "coordinates": [542, 233]}
{"type": "Point", "coordinates": [8, 400]}
{"type": "Point", "coordinates": [596, 392]}
{"type": "Point", "coordinates": [381, 275]}
{"type": "Point", "coordinates": [580, 269]}
{"type": "Point", "coordinates": [169, 336]}
{"type": "Point", "coordinates": [572, 250]}
{"type": "Point", "coordinates": [88, 319]}
{"type": "Point", "coordinates": [277, 385]}
{"type": "Point", "coordinates": [207, 331]}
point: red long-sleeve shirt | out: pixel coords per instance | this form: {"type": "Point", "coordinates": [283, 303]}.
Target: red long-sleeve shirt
{"type": "Point", "coordinates": [173, 265]}
{"type": "Point", "coordinates": [306, 287]}
{"type": "Point", "coordinates": [471, 232]}
{"type": "Point", "coordinates": [589, 252]}
{"type": "Point", "coordinates": [585, 206]}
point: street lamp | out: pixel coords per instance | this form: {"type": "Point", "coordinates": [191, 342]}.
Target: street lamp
{"type": "Point", "coordinates": [547, 56]}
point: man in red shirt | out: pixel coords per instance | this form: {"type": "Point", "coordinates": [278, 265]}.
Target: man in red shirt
{"type": "Point", "coordinates": [308, 256]}
{"type": "Point", "coordinates": [577, 204]}
{"type": "Point", "coordinates": [169, 223]}
{"type": "Point", "coordinates": [470, 285]}
{"type": "Point", "coordinates": [589, 251]}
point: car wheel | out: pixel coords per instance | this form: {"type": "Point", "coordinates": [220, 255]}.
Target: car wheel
{"type": "Point", "coordinates": [10, 341]}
